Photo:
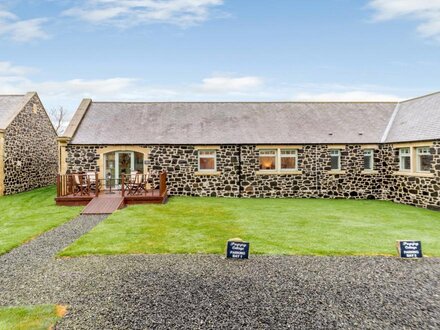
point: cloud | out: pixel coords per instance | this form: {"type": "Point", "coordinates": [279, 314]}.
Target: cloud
{"type": "Point", "coordinates": [21, 30]}
{"type": "Point", "coordinates": [227, 84]}
{"type": "Point", "coordinates": [68, 93]}
{"type": "Point", "coordinates": [356, 95]}
{"type": "Point", "coordinates": [7, 69]}
{"type": "Point", "coordinates": [135, 12]}
{"type": "Point", "coordinates": [427, 12]}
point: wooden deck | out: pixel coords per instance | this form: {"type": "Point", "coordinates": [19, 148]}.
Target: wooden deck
{"type": "Point", "coordinates": [106, 201]}
{"type": "Point", "coordinates": [152, 196]}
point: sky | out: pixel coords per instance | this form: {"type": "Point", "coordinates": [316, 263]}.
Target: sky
{"type": "Point", "coordinates": [219, 50]}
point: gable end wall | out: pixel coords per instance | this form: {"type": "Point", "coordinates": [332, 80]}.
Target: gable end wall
{"type": "Point", "coordinates": [30, 150]}
{"type": "Point", "coordinates": [2, 163]}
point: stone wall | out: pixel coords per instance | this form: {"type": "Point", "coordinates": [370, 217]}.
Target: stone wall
{"type": "Point", "coordinates": [30, 150]}
{"type": "Point", "coordinates": [82, 158]}
{"type": "Point", "coordinates": [414, 190]}
{"type": "Point", "coordinates": [238, 175]}
{"type": "Point", "coordinates": [315, 180]}
{"type": "Point", "coordinates": [2, 163]}
{"type": "Point", "coordinates": [181, 164]}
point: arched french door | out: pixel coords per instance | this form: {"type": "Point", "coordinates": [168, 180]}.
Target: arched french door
{"type": "Point", "coordinates": [117, 163]}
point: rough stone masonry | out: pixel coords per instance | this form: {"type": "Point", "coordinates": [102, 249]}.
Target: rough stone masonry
{"type": "Point", "coordinates": [30, 150]}
{"type": "Point", "coordinates": [238, 176]}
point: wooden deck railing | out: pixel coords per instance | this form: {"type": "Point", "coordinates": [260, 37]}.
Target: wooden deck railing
{"type": "Point", "coordinates": [64, 185]}
{"type": "Point", "coordinates": [163, 184]}
{"type": "Point", "coordinates": [138, 186]}
{"type": "Point", "coordinates": [83, 185]}
{"type": "Point", "coordinates": [123, 181]}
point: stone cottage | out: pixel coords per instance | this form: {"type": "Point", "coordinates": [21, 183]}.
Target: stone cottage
{"type": "Point", "coordinates": [28, 144]}
{"type": "Point", "coordinates": [364, 150]}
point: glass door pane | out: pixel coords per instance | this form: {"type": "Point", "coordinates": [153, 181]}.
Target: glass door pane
{"type": "Point", "coordinates": [139, 162]}
{"type": "Point", "coordinates": [125, 162]}
{"type": "Point", "coordinates": [110, 168]}
{"type": "Point", "coordinates": [110, 165]}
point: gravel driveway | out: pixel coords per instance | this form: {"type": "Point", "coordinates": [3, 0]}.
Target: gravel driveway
{"type": "Point", "coordinates": [207, 291]}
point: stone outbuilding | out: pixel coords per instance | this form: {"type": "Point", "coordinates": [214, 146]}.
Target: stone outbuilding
{"type": "Point", "coordinates": [362, 150]}
{"type": "Point", "coordinates": [28, 144]}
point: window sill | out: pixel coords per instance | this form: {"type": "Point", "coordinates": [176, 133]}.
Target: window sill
{"type": "Point", "coordinates": [370, 172]}
{"type": "Point", "coordinates": [278, 172]}
{"type": "Point", "coordinates": [336, 172]}
{"type": "Point", "coordinates": [418, 174]}
{"type": "Point", "coordinates": [207, 173]}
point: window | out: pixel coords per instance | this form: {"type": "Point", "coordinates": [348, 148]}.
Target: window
{"type": "Point", "coordinates": [207, 160]}
{"type": "Point", "coordinates": [424, 159]}
{"type": "Point", "coordinates": [368, 160]}
{"type": "Point", "coordinates": [335, 157]}
{"type": "Point", "coordinates": [288, 159]}
{"type": "Point", "coordinates": [280, 160]}
{"type": "Point", "coordinates": [405, 159]}
{"type": "Point", "coordinates": [268, 159]}
{"type": "Point", "coordinates": [415, 160]}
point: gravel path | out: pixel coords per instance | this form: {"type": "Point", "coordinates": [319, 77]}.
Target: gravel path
{"type": "Point", "coordinates": [207, 291]}
{"type": "Point", "coordinates": [37, 254]}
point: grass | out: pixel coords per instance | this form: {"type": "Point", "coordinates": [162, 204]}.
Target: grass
{"type": "Point", "coordinates": [27, 215]}
{"type": "Point", "coordinates": [30, 317]}
{"type": "Point", "coordinates": [272, 226]}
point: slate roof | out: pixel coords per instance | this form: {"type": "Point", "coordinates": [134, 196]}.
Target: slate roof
{"type": "Point", "coordinates": [416, 120]}
{"type": "Point", "coordinates": [233, 123]}
{"type": "Point", "coordinates": [10, 105]}
{"type": "Point", "coordinates": [256, 122]}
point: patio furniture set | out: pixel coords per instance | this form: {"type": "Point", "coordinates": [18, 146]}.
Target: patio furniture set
{"type": "Point", "coordinates": [85, 184]}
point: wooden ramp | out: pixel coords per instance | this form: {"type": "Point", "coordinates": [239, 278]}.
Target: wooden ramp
{"type": "Point", "coordinates": [104, 204]}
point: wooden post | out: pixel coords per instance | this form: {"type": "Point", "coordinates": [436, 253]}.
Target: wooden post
{"type": "Point", "coordinates": [123, 185]}
{"type": "Point", "coordinates": [58, 185]}
{"type": "Point", "coordinates": [70, 179]}
{"type": "Point", "coordinates": [89, 185]}
{"type": "Point", "coordinates": [163, 183]}
{"type": "Point", "coordinates": [69, 184]}
{"type": "Point", "coordinates": [81, 187]}
{"type": "Point", "coordinates": [97, 184]}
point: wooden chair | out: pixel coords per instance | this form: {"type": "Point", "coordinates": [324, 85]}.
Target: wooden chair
{"type": "Point", "coordinates": [143, 185]}
{"type": "Point", "coordinates": [95, 185]}
{"type": "Point", "coordinates": [136, 184]}
{"type": "Point", "coordinates": [130, 179]}
{"type": "Point", "coordinates": [151, 184]}
{"type": "Point", "coordinates": [80, 186]}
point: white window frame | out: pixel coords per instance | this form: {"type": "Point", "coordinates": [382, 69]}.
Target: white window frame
{"type": "Point", "coordinates": [401, 156]}
{"type": "Point", "coordinates": [293, 155]}
{"type": "Point", "coordinates": [262, 153]}
{"type": "Point", "coordinates": [213, 155]}
{"type": "Point", "coordinates": [371, 154]}
{"type": "Point", "coordinates": [421, 151]}
{"type": "Point", "coordinates": [278, 155]}
{"type": "Point", "coordinates": [334, 152]}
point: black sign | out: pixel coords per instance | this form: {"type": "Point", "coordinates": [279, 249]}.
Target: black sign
{"type": "Point", "coordinates": [410, 249]}
{"type": "Point", "coordinates": [237, 250]}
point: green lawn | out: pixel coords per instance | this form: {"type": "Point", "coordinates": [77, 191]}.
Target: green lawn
{"type": "Point", "coordinates": [273, 226]}
{"type": "Point", "coordinates": [30, 317]}
{"type": "Point", "coordinates": [27, 215]}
